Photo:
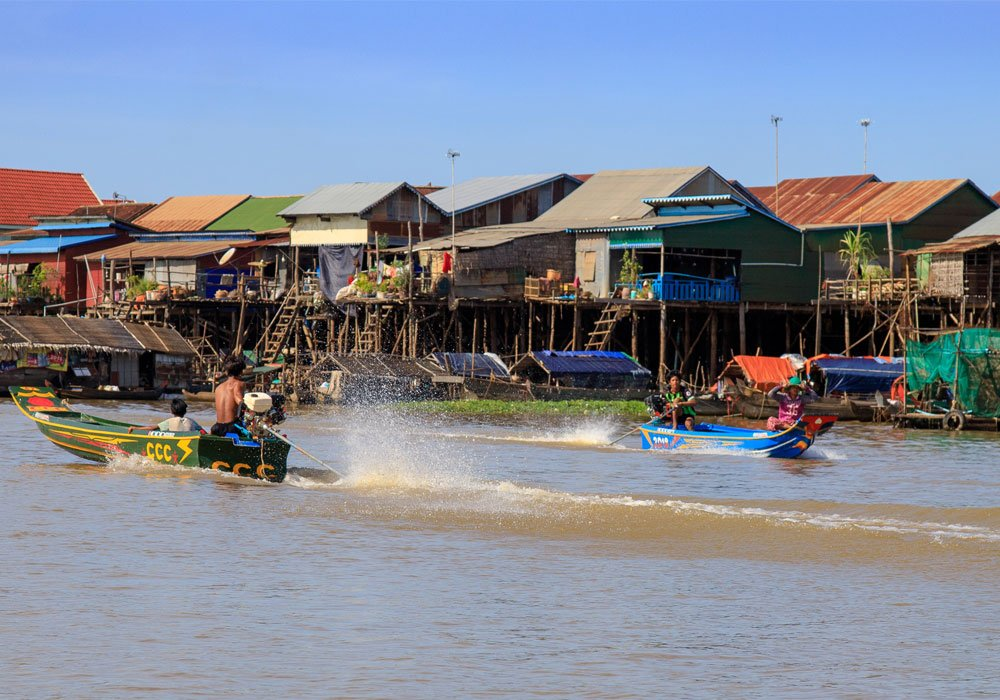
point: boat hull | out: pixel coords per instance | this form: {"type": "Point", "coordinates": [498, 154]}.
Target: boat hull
{"type": "Point", "coordinates": [759, 407]}
{"type": "Point", "coordinates": [786, 444]}
{"type": "Point", "coordinates": [85, 394]}
{"type": "Point", "coordinates": [100, 439]}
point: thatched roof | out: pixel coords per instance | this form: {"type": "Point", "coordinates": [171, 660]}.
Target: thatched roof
{"type": "Point", "coordinates": [104, 334]}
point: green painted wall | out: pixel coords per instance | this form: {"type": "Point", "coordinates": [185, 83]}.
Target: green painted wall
{"type": "Point", "coordinates": [761, 240]}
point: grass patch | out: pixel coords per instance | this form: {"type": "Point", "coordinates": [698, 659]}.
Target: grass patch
{"type": "Point", "coordinates": [495, 408]}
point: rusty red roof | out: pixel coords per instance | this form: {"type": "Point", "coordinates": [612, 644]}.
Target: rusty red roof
{"type": "Point", "coordinates": [192, 213]}
{"type": "Point", "coordinates": [114, 210]}
{"type": "Point", "coordinates": [996, 198]}
{"type": "Point", "coordinates": [25, 194]}
{"type": "Point", "coordinates": [876, 202]}
{"type": "Point", "coordinates": [801, 201]}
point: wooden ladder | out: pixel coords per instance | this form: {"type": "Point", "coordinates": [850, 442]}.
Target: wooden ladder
{"type": "Point", "coordinates": [600, 337]}
{"type": "Point", "coordinates": [281, 327]}
{"type": "Point", "coordinates": [369, 341]}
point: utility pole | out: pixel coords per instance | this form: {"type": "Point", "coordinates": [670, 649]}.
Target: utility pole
{"type": "Point", "coordinates": [865, 123]}
{"type": "Point", "coordinates": [774, 120]}
{"type": "Point", "coordinates": [453, 155]}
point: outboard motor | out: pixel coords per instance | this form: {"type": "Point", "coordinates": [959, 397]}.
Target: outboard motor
{"type": "Point", "coordinates": [259, 410]}
{"type": "Point", "coordinates": [656, 405]}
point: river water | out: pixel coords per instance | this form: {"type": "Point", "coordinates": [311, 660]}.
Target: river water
{"type": "Point", "coordinates": [464, 559]}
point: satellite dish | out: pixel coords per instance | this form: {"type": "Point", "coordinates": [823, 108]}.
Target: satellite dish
{"type": "Point", "coordinates": [227, 256]}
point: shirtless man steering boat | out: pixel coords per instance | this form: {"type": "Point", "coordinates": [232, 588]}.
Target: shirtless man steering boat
{"type": "Point", "coordinates": [228, 397]}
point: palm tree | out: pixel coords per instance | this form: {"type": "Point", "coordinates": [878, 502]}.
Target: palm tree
{"type": "Point", "coordinates": [856, 251]}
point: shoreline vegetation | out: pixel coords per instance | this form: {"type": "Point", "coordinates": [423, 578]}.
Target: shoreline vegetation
{"type": "Point", "coordinates": [490, 408]}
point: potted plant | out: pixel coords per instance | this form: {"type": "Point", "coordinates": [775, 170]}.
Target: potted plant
{"type": "Point", "coordinates": [137, 287]}
{"type": "Point", "coordinates": [364, 285]}
{"type": "Point", "coordinates": [630, 270]}
{"type": "Point", "coordinates": [856, 252]}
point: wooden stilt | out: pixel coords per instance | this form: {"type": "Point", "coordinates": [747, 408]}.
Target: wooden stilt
{"type": "Point", "coordinates": [552, 326]}
{"type": "Point", "coordinates": [713, 343]}
{"type": "Point", "coordinates": [662, 371]}
{"type": "Point", "coordinates": [743, 328]}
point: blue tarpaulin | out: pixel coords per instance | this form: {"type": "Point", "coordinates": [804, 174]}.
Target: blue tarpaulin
{"type": "Point", "coordinates": [859, 375]}
{"type": "Point", "coordinates": [589, 368]}
{"type": "Point", "coordinates": [465, 364]}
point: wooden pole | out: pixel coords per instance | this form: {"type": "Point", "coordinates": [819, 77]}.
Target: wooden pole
{"type": "Point", "coordinates": [713, 341]}
{"type": "Point", "coordinates": [687, 340]}
{"type": "Point", "coordinates": [847, 332]}
{"type": "Point", "coordinates": [531, 327]}
{"type": "Point", "coordinates": [552, 326]}
{"type": "Point", "coordinates": [888, 235]}
{"type": "Point", "coordinates": [635, 334]}
{"type": "Point", "coordinates": [819, 304]}
{"type": "Point", "coordinates": [661, 375]}
{"type": "Point", "coordinates": [989, 288]}
{"type": "Point", "coordinates": [743, 327]}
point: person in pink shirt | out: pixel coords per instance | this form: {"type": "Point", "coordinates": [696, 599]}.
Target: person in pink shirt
{"type": "Point", "coordinates": [791, 403]}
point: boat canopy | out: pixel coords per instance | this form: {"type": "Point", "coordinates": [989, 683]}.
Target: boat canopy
{"type": "Point", "coordinates": [586, 368]}
{"type": "Point", "coordinates": [858, 375]}
{"type": "Point", "coordinates": [760, 371]}
{"type": "Point", "coordinates": [467, 364]}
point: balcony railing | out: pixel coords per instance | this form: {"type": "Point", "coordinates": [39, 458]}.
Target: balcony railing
{"type": "Point", "coordinates": [888, 289]}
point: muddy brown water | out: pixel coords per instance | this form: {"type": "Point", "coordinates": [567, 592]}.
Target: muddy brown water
{"type": "Point", "coordinates": [464, 558]}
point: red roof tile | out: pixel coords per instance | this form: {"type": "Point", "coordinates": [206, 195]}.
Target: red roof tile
{"type": "Point", "coordinates": [192, 213]}
{"type": "Point", "coordinates": [25, 194]}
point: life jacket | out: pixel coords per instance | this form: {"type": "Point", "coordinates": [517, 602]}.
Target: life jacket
{"type": "Point", "coordinates": [679, 396]}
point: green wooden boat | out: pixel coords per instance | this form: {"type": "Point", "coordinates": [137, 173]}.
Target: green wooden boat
{"type": "Point", "coordinates": [99, 439]}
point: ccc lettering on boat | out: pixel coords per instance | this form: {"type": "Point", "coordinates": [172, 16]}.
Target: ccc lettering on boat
{"type": "Point", "coordinates": [262, 471]}
{"type": "Point", "coordinates": [159, 452]}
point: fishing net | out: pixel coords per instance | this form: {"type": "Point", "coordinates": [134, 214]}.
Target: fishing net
{"type": "Point", "coordinates": [968, 361]}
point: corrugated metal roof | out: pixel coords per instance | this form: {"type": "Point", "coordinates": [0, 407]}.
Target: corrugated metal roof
{"type": "Point", "coordinates": [353, 198]}
{"type": "Point", "coordinates": [587, 362]}
{"type": "Point", "coordinates": [876, 202]}
{"type": "Point", "coordinates": [465, 364]}
{"type": "Point", "coordinates": [996, 197]}
{"type": "Point", "coordinates": [191, 213]}
{"type": "Point", "coordinates": [255, 214]}
{"type": "Point", "coordinates": [483, 190]}
{"type": "Point", "coordinates": [51, 244]}
{"type": "Point", "coordinates": [952, 245]}
{"type": "Point", "coordinates": [989, 225]}
{"type": "Point", "coordinates": [120, 211]}
{"type": "Point", "coordinates": [619, 193]}
{"type": "Point", "coordinates": [25, 194]}
{"type": "Point", "coordinates": [490, 236]}
{"type": "Point", "coordinates": [174, 250]}
{"type": "Point", "coordinates": [657, 222]}
{"type": "Point", "coordinates": [802, 201]}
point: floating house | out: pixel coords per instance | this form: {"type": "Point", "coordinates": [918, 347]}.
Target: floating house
{"type": "Point", "coordinates": [90, 352]}
{"type": "Point", "coordinates": [583, 369]}
{"type": "Point", "coordinates": [26, 195]}
{"type": "Point", "coordinates": [53, 265]}
{"type": "Point", "coordinates": [333, 226]}
{"type": "Point", "coordinates": [494, 261]}
{"type": "Point", "coordinates": [968, 264]}
{"type": "Point", "coordinates": [506, 199]}
{"type": "Point", "coordinates": [718, 248]}
{"type": "Point", "coordinates": [898, 215]}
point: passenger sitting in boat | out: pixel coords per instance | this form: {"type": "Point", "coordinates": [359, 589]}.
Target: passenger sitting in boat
{"type": "Point", "coordinates": [177, 423]}
{"type": "Point", "coordinates": [791, 403]}
{"type": "Point", "coordinates": [229, 396]}
{"type": "Point", "coordinates": [680, 401]}
{"type": "Point", "coordinates": [689, 423]}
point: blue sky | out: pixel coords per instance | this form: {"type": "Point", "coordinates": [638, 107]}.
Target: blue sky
{"type": "Point", "coordinates": [160, 99]}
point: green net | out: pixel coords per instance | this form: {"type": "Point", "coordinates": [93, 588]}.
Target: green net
{"type": "Point", "coordinates": [967, 361]}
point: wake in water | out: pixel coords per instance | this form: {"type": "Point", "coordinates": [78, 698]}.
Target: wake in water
{"type": "Point", "coordinates": [424, 477]}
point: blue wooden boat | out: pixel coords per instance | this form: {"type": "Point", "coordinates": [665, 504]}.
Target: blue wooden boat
{"type": "Point", "coordinates": [708, 436]}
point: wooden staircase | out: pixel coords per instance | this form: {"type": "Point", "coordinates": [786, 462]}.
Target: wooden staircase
{"type": "Point", "coordinates": [600, 337]}
{"type": "Point", "coordinates": [281, 327]}
{"type": "Point", "coordinates": [370, 339]}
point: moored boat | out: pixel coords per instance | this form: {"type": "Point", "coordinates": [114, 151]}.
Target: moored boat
{"type": "Point", "coordinates": [88, 393]}
{"type": "Point", "coordinates": [99, 439]}
{"type": "Point", "coordinates": [788, 443]}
